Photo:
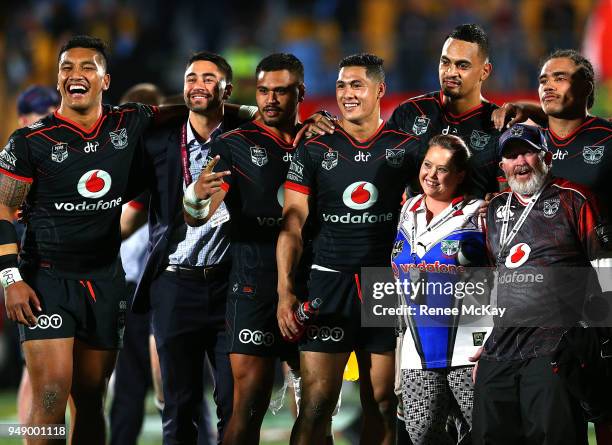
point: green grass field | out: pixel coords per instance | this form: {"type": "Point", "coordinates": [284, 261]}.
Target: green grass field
{"type": "Point", "coordinates": [275, 429]}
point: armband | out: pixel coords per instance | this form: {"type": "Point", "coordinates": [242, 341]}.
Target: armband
{"type": "Point", "coordinates": [8, 245]}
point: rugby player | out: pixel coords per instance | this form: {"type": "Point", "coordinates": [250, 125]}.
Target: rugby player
{"type": "Point", "coordinates": [576, 139]}
{"type": "Point", "coordinates": [258, 155]}
{"type": "Point", "coordinates": [351, 181]}
{"type": "Point", "coordinates": [71, 170]}
{"type": "Point", "coordinates": [458, 108]}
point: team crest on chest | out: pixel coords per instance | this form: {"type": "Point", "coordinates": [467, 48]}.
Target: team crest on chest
{"type": "Point", "coordinates": [259, 156]}
{"type": "Point", "coordinates": [592, 154]}
{"type": "Point", "coordinates": [551, 206]}
{"type": "Point", "coordinates": [330, 159]}
{"type": "Point", "coordinates": [479, 139]}
{"type": "Point", "coordinates": [59, 152]}
{"type": "Point", "coordinates": [420, 125]}
{"type": "Point", "coordinates": [450, 247]}
{"type": "Point", "coordinates": [395, 156]}
{"type": "Point", "coordinates": [119, 138]}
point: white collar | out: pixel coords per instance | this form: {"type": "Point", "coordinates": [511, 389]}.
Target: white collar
{"type": "Point", "coordinates": [191, 137]}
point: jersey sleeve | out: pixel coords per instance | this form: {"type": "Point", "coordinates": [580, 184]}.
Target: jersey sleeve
{"type": "Point", "coordinates": [222, 149]}
{"type": "Point", "coordinates": [15, 159]}
{"type": "Point", "coordinates": [141, 202]}
{"type": "Point", "coordinates": [589, 217]}
{"type": "Point", "coordinates": [402, 117]}
{"type": "Point", "coordinates": [146, 113]}
{"type": "Point", "coordinates": [301, 171]}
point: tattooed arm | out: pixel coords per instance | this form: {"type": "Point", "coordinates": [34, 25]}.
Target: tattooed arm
{"type": "Point", "coordinates": [20, 298]}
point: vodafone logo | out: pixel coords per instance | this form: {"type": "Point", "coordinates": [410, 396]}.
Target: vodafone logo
{"type": "Point", "coordinates": [360, 195]}
{"type": "Point", "coordinates": [519, 254]}
{"type": "Point", "coordinates": [94, 184]}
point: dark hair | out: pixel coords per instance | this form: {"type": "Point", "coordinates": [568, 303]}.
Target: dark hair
{"type": "Point", "coordinates": [584, 66]}
{"type": "Point", "coordinates": [89, 42]}
{"type": "Point", "coordinates": [145, 93]}
{"type": "Point", "coordinates": [281, 61]}
{"type": "Point", "coordinates": [373, 65]}
{"type": "Point", "coordinates": [221, 63]}
{"type": "Point", "coordinates": [460, 155]}
{"type": "Point", "coordinates": [472, 33]}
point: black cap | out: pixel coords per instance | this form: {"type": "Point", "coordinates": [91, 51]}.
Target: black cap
{"type": "Point", "coordinates": [528, 134]}
{"type": "Point", "coordinates": [37, 99]}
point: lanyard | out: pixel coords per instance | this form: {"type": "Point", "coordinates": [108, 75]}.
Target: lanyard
{"type": "Point", "coordinates": [185, 156]}
{"type": "Point", "coordinates": [448, 214]}
{"type": "Point", "coordinates": [506, 238]}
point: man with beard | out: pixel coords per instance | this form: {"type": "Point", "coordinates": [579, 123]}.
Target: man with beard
{"type": "Point", "coordinates": [252, 164]}
{"type": "Point", "coordinates": [576, 139]}
{"type": "Point", "coordinates": [185, 277]}
{"type": "Point", "coordinates": [542, 221]}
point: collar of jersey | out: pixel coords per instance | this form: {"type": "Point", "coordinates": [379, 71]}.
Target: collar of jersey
{"type": "Point", "coordinates": [79, 127]}
{"type": "Point", "coordinates": [458, 117]}
{"type": "Point", "coordinates": [577, 130]}
{"type": "Point", "coordinates": [419, 203]}
{"type": "Point", "coordinates": [362, 144]}
{"type": "Point", "coordinates": [278, 140]}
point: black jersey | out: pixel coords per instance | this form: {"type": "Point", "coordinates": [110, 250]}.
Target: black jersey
{"type": "Point", "coordinates": [544, 273]}
{"type": "Point", "coordinates": [585, 157]}
{"type": "Point", "coordinates": [425, 117]}
{"type": "Point", "coordinates": [356, 188]}
{"type": "Point", "coordinates": [259, 161]}
{"type": "Point", "coordinates": [79, 180]}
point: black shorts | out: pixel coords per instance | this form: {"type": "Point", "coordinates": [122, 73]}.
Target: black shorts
{"type": "Point", "coordinates": [252, 326]}
{"type": "Point", "coordinates": [91, 310]}
{"type": "Point", "coordinates": [338, 328]}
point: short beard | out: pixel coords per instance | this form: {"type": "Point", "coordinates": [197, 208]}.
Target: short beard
{"type": "Point", "coordinates": [538, 178]}
{"type": "Point", "coordinates": [451, 94]}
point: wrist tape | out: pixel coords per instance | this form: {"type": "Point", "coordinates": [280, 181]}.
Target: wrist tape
{"type": "Point", "coordinates": [197, 208]}
{"type": "Point", "coordinates": [9, 276]}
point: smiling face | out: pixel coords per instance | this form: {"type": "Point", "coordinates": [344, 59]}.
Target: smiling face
{"type": "Point", "coordinates": [278, 95]}
{"type": "Point", "coordinates": [438, 176]}
{"type": "Point", "coordinates": [525, 168]}
{"type": "Point", "coordinates": [205, 87]}
{"type": "Point", "coordinates": [358, 95]}
{"type": "Point", "coordinates": [462, 69]}
{"type": "Point", "coordinates": [563, 90]}
{"type": "Point", "coordinates": [81, 79]}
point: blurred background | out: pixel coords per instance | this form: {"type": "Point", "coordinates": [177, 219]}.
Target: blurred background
{"type": "Point", "coordinates": [150, 41]}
